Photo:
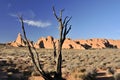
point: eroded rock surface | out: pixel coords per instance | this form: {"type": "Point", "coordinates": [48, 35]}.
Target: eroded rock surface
{"type": "Point", "coordinates": [47, 43]}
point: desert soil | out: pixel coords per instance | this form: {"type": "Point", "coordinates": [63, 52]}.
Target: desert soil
{"type": "Point", "coordinates": [15, 63]}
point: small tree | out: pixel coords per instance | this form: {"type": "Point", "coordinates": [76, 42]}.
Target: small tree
{"type": "Point", "coordinates": [63, 31]}
{"type": "Point", "coordinates": [35, 60]}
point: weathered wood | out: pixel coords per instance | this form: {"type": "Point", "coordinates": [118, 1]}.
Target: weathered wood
{"type": "Point", "coordinates": [35, 62]}
{"type": "Point", "coordinates": [63, 31]}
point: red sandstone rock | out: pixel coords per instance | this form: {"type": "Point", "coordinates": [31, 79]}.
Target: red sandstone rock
{"type": "Point", "coordinates": [19, 42]}
{"type": "Point", "coordinates": [70, 44]}
{"type": "Point", "coordinates": [47, 43]}
{"type": "Point", "coordinates": [115, 42]}
{"type": "Point", "coordinates": [96, 43]}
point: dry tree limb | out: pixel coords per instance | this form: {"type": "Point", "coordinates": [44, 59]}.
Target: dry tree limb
{"type": "Point", "coordinates": [37, 64]}
{"type": "Point", "coordinates": [63, 31]}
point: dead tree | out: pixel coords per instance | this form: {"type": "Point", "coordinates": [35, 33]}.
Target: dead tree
{"type": "Point", "coordinates": [63, 31]}
{"type": "Point", "coordinates": [35, 60]}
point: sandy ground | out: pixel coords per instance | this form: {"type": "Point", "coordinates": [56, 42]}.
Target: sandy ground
{"type": "Point", "coordinates": [16, 62]}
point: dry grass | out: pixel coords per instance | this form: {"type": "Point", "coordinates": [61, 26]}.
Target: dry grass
{"type": "Point", "coordinates": [72, 59]}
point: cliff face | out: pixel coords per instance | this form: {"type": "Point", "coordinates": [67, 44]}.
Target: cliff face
{"type": "Point", "coordinates": [47, 43]}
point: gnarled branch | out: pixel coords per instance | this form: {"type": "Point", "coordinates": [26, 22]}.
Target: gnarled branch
{"type": "Point", "coordinates": [36, 63]}
{"type": "Point", "coordinates": [64, 30]}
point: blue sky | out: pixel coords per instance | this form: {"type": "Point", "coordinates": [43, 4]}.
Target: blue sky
{"type": "Point", "coordinates": [90, 18]}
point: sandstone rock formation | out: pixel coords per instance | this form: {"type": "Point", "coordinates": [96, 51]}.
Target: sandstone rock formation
{"type": "Point", "coordinates": [47, 43]}
{"type": "Point", "coordinates": [96, 43]}
{"type": "Point", "coordinates": [70, 44]}
{"type": "Point", "coordinates": [115, 42]}
{"type": "Point", "coordinates": [19, 42]}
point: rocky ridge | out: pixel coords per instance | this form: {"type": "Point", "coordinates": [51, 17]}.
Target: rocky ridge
{"type": "Point", "coordinates": [47, 43]}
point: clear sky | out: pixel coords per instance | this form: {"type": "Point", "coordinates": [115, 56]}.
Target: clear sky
{"type": "Point", "coordinates": [90, 18]}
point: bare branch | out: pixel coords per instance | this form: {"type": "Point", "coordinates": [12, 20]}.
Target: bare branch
{"type": "Point", "coordinates": [62, 32]}
{"type": "Point", "coordinates": [68, 30]}
{"type": "Point", "coordinates": [38, 59]}
{"type": "Point", "coordinates": [54, 12]}
{"type": "Point", "coordinates": [30, 51]}
{"type": "Point", "coordinates": [55, 55]}
{"type": "Point", "coordinates": [65, 20]}
{"type": "Point", "coordinates": [43, 74]}
{"type": "Point", "coordinates": [61, 13]}
{"type": "Point", "coordinates": [66, 23]}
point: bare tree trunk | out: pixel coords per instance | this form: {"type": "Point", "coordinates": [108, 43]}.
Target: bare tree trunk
{"type": "Point", "coordinates": [36, 62]}
{"type": "Point", "coordinates": [63, 31]}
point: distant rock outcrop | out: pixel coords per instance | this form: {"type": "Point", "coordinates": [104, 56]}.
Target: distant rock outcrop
{"type": "Point", "coordinates": [96, 43]}
{"type": "Point", "coordinates": [115, 43]}
{"type": "Point", "coordinates": [20, 42]}
{"type": "Point", "coordinates": [47, 43]}
{"type": "Point", "coordinates": [70, 44]}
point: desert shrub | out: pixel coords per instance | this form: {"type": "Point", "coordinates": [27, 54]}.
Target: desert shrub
{"type": "Point", "coordinates": [90, 74]}
{"type": "Point", "coordinates": [83, 74]}
{"type": "Point", "coordinates": [77, 74]}
{"type": "Point", "coordinates": [110, 70]}
{"type": "Point", "coordinates": [117, 76]}
{"type": "Point", "coordinates": [35, 73]}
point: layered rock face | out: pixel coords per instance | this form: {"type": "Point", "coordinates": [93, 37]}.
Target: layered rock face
{"type": "Point", "coordinates": [47, 43]}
